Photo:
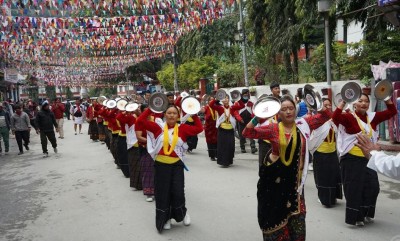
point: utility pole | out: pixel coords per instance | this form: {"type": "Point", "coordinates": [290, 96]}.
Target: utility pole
{"type": "Point", "coordinates": [323, 8]}
{"type": "Point", "coordinates": [242, 32]}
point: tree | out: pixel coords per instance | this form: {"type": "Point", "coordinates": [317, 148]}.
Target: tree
{"type": "Point", "coordinates": [50, 92]}
{"type": "Point", "coordinates": [69, 93]}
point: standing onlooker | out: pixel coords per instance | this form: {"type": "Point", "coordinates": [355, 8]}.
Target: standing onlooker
{"type": "Point", "coordinates": [67, 109]}
{"type": "Point", "coordinates": [77, 112]}
{"type": "Point", "coordinates": [4, 128]}
{"type": "Point", "coordinates": [21, 126]}
{"type": "Point", "coordinates": [45, 121]}
{"type": "Point", "coordinates": [58, 109]}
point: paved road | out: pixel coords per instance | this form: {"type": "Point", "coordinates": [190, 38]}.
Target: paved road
{"type": "Point", "coordinates": [78, 194]}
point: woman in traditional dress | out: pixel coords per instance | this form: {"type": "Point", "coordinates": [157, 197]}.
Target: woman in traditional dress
{"type": "Point", "coordinates": [146, 161]}
{"type": "Point", "coordinates": [100, 121]}
{"type": "Point", "coordinates": [133, 151]}
{"type": "Point", "coordinates": [168, 145]}
{"type": "Point", "coordinates": [210, 131]}
{"type": "Point", "coordinates": [78, 112]}
{"type": "Point", "coordinates": [121, 151]}
{"type": "Point", "coordinates": [226, 136]}
{"type": "Point", "coordinates": [326, 162]}
{"type": "Point", "coordinates": [91, 115]}
{"type": "Point", "coordinates": [281, 206]}
{"type": "Point", "coordinates": [360, 183]}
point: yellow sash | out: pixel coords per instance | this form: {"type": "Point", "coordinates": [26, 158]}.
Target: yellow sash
{"type": "Point", "coordinates": [356, 151]}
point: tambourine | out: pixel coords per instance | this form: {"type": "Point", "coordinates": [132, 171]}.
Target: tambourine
{"type": "Point", "coordinates": [266, 107]}
{"type": "Point", "coordinates": [191, 105]}
{"type": "Point", "coordinates": [130, 107]}
{"type": "Point", "coordinates": [337, 99]}
{"type": "Point", "coordinates": [235, 95]}
{"type": "Point", "coordinates": [220, 94]}
{"type": "Point", "coordinates": [351, 92]}
{"type": "Point", "coordinates": [121, 104]}
{"type": "Point", "coordinates": [158, 102]}
{"type": "Point", "coordinates": [383, 90]}
{"type": "Point", "coordinates": [312, 99]}
{"type": "Point", "coordinates": [111, 104]}
{"type": "Point", "coordinates": [101, 99]}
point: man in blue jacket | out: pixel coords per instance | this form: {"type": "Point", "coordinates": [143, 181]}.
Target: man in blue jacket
{"type": "Point", "coordinates": [4, 129]}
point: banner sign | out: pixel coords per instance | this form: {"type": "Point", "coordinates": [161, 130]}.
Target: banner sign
{"type": "Point", "coordinates": [11, 75]}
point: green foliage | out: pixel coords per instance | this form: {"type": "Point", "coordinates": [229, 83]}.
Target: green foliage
{"type": "Point", "coordinates": [214, 39]}
{"type": "Point", "coordinates": [33, 93]}
{"type": "Point", "coordinates": [50, 92]}
{"type": "Point", "coordinates": [166, 76]}
{"type": "Point", "coordinates": [69, 93]}
{"type": "Point", "coordinates": [230, 75]}
{"type": "Point", "coordinates": [94, 92]}
{"type": "Point", "coordinates": [108, 92]}
{"type": "Point", "coordinates": [189, 73]}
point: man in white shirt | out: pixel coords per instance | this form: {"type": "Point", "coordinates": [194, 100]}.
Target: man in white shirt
{"type": "Point", "coordinates": [388, 165]}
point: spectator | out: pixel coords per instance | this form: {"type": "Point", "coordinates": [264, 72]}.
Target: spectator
{"type": "Point", "coordinates": [67, 109]}
{"type": "Point", "coordinates": [58, 109]}
{"type": "Point", "coordinates": [77, 115]}
{"type": "Point", "coordinates": [21, 126]}
{"type": "Point", "coordinates": [44, 123]}
{"type": "Point", "coordinates": [4, 128]}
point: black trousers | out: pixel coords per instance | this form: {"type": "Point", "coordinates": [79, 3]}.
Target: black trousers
{"type": "Point", "coordinates": [44, 135]}
{"type": "Point", "coordinates": [243, 139]}
{"type": "Point", "coordinates": [169, 181]}
{"type": "Point", "coordinates": [212, 150]}
{"type": "Point", "coordinates": [22, 135]}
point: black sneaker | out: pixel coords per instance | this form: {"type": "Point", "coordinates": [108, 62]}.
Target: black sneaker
{"type": "Point", "coordinates": [20, 153]}
{"type": "Point", "coordinates": [45, 154]}
{"type": "Point", "coordinates": [254, 150]}
{"type": "Point", "coordinates": [26, 147]}
{"type": "Point", "coordinates": [243, 150]}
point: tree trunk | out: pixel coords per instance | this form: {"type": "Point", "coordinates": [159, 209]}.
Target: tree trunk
{"type": "Point", "coordinates": [288, 66]}
{"type": "Point", "coordinates": [295, 66]}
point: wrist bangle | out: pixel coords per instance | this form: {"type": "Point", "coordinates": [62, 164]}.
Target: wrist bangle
{"type": "Point", "coordinates": [254, 121]}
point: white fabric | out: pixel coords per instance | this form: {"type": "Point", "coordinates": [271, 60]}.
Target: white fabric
{"type": "Point", "coordinates": [305, 131]}
{"type": "Point", "coordinates": [184, 118]}
{"type": "Point", "coordinates": [246, 107]}
{"type": "Point", "coordinates": [388, 165]}
{"type": "Point", "coordinates": [318, 135]}
{"type": "Point", "coordinates": [131, 138]}
{"type": "Point", "coordinates": [222, 118]}
{"type": "Point", "coordinates": [78, 120]}
{"type": "Point", "coordinates": [347, 141]}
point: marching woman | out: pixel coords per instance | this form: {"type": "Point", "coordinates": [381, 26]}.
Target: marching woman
{"type": "Point", "coordinates": [168, 145]}
{"type": "Point", "coordinates": [133, 149]}
{"type": "Point", "coordinates": [91, 115]}
{"type": "Point", "coordinates": [146, 161]}
{"type": "Point", "coordinates": [326, 162]}
{"type": "Point", "coordinates": [281, 206]}
{"type": "Point", "coordinates": [225, 124]}
{"type": "Point", "coordinates": [360, 184]}
{"type": "Point", "coordinates": [121, 150]}
{"type": "Point", "coordinates": [100, 126]}
{"type": "Point", "coordinates": [210, 131]}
